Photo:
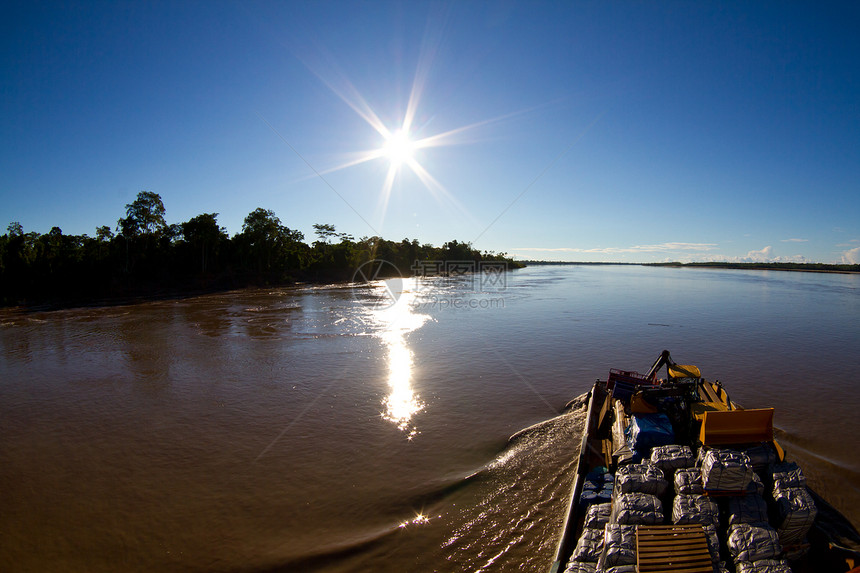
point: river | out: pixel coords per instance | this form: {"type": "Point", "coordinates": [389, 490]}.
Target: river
{"type": "Point", "coordinates": [365, 427]}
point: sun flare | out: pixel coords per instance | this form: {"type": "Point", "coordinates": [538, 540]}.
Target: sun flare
{"type": "Point", "coordinates": [401, 142]}
{"type": "Point", "coordinates": [399, 148]}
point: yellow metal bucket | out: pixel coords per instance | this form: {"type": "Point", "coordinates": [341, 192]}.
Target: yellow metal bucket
{"type": "Point", "coordinates": [721, 428]}
{"type": "Point", "coordinates": [684, 371]}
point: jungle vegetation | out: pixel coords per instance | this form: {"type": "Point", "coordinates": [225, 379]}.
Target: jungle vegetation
{"type": "Point", "coordinates": [144, 256]}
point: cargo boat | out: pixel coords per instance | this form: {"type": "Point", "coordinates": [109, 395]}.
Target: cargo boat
{"type": "Point", "coordinates": [674, 476]}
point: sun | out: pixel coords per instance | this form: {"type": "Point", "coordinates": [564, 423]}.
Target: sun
{"type": "Point", "coordinates": [403, 145]}
{"type": "Point", "coordinates": [398, 148]}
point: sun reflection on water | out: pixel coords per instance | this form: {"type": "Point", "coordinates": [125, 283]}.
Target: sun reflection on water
{"type": "Point", "coordinates": [396, 322]}
{"type": "Point", "coordinates": [419, 519]}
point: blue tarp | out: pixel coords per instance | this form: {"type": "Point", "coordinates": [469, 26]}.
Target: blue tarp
{"type": "Point", "coordinates": [649, 430]}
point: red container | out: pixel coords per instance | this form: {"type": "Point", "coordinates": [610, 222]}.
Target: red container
{"type": "Point", "coordinates": [622, 384]}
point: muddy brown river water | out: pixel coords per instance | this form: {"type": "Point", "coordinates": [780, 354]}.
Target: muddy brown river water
{"type": "Point", "coordinates": [330, 428]}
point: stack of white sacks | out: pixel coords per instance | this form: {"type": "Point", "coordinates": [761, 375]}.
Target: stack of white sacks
{"type": "Point", "coordinates": [750, 539]}
{"type": "Point", "coordinates": [756, 548]}
{"type": "Point", "coordinates": [604, 546]}
{"type": "Point", "coordinates": [608, 543]}
{"type": "Point", "coordinates": [795, 508]}
{"type": "Point", "coordinates": [690, 506]}
{"type": "Point", "coordinates": [753, 544]}
{"type": "Point", "coordinates": [728, 472]}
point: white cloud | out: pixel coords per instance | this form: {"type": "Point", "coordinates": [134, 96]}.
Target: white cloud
{"type": "Point", "coordinates": [766, 256]}
{"type": "Point", "coordinates": [659, 248]}
{"type": "Point", "coordinates": [687, 253]}
{"type": "Point", "coordinates": [791, 259]}
{"type": "Point", "coordinates": [851, 256]}
{"type": "Point", "coordinates": [762, 256]}
{"type": "Point", "coordinates": [794, 240]}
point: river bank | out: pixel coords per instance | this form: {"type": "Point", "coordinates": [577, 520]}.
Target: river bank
{"type": "Point", "coordinates": [800, 267]}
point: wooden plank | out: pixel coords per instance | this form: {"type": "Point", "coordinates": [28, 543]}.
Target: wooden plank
{"type": "Point", "coordinates": [659, 565]}
{"type": "Point", "coordinates": [667, 567]}
{"type": "Point", "coordinates": [659, 545]}
{"type": "Point", "coordinates": [671, 553]}
{"type": "Point", "coordinates": [672, 533]}
{"type": "Point", "coordinates": [674, 563]}
{"type": "Point", "coordinates": [681, 527]}
{"type": "Point", "coordinates": [671, 568]}
{"type": "Point", "coordinates": [672, 540]}
{"type": "Point", "coordinates": [672, 549]}
{"type": "Point", "coordinates": [604, 420]}
{"type": "Point", "coordinates": [679, 554]}
{"type": "Point", "coordinates": [607, 452]}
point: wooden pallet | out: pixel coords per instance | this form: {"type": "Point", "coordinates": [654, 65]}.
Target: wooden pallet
{"type": "Point", "coordinates": [672, 548]}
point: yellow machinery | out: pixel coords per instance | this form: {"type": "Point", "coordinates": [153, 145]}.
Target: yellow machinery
{"type": "Point", "coordinates": [722, 422]}
{"type": "Point", "coordinates": [725, 427]}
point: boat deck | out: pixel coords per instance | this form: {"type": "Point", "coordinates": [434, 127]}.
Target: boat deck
{"type": "Point", "coordinates": [706, 418]}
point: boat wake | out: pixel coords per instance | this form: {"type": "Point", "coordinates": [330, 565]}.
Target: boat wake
{"type": "Point", "coordinates": [503, 517]}
{"type": "Point", "coordinates": [518, 501]}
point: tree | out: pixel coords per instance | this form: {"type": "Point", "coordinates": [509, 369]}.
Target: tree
{"type": "Point", "coordinates": [261, 226]}
{"type": "Point", "coordinates": [203, 235]}
{"type": "Point", "coordinates": [144, 216]}
{"type": "Point", "coordinates": [15, 229]}
{"type": "Point", "coordinates": [325, 232]}
{"type": "Point", "coordinates": [456, 251]}
{"type": "Point", "coordinates": [272, 244]}
{"type": "Point", "coordinates": [142, 228]}
{"type": "Point", "coordinates": [104, 234]}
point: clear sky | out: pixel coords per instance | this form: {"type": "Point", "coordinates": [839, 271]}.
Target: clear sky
{"type": "Point", "coordinates": [585, 131]}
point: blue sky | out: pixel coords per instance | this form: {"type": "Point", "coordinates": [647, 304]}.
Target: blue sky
{"type": "Point", "coordinates": [585, 131]}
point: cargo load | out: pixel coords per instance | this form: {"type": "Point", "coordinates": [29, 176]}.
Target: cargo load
{"type": "Point", "coordinates": [649, 430]}
{"type": "Point", "coordinates": [672, 457]}
{"type": "Point", "coordinates": [796, 511]}
{"type": "Point", "coordinates": [752, 542]}
{"type": "Point", "coordinates": [750, 509]}
{"type": "Point", "coordinates": [689, 482]}
{"type": "Point", "coordinates": [690, 509]}
{"type": "Point", "coordinates": [713, 542]}
{"type": "Point", "coordinates": [619, 545]}
{"type": "Point", "coordinates": [726, 471]}
{"type": "Point", "coordinates": [637, 509]}
{"type": "Point", "coordinates": [580, 567]}
{"type": "Point", "coordinates": [756, 487]}
{"type": "Point", "coordinates": [589, 546]}
{"type": "Point", "coordinates": [787, 475]}
{"type": "Point", "coordinates": [754, 509]}
{"type": "Point", "coordinates": [762, 457]}
{"type": "Point", "coordinates": [644, 477]}
{"type": "Point", "coordinates": [763, 566]}
{"type": "Point", "coordinates": [598, 516]}
{"type": "Point", "coordinates": [597, 488]}
{"type": "Point", "coordinates": [621, 569]}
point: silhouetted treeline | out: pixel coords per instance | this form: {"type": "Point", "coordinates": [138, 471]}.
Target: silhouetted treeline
{"type": "Point", "coordinates": [809, 267]}
{"type": "Point", "coordinates": [145, 256]}
{"type": "Point", "coordinates": [536, 262]}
